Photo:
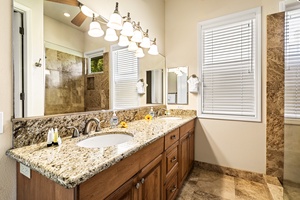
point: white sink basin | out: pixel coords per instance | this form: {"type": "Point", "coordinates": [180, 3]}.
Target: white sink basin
{"type": "Point", "coordinates": [105, 140]}
{"type": "Point", "coordinates": [170, 118]}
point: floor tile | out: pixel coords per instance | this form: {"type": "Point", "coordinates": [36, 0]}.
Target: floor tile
{"type": "Point", "coordinates": [248, 190]}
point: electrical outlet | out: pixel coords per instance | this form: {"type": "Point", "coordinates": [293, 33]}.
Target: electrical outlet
{"type": "Point", "coordinates": [25, 170]}
{"type": "Point", "coordinates": [1, 122]}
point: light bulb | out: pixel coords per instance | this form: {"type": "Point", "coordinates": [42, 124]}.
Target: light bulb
{"type": "Point", "coordinates": [132, 46]}
{"type": "Point", "coordinates": [145, 43]}
{"type": "Point", "coordinates": [139, 53]}
{"type": "Point", "coordinates": [137, 36]}
{"type": "Point", "coordinates": [111, 35]}
{"type": "Point", "coordinates": [95, 29]}
{"type": "Point", "coordinates": [123, 41]}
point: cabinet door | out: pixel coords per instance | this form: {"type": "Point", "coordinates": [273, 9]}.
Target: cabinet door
{"type": "Point", "coordinates": [191, 148]}
{"type": "Point", "coordinates": [184, 158]}
{"type": "Point", "coordinates": [125, 192]}
{"type": "Point", "coordinates": [150, 179]}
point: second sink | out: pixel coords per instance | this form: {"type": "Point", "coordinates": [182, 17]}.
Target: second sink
{"type": "Point", "coordinates": [105, 140]}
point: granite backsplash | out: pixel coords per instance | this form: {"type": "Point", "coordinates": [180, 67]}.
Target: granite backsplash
{"type": "Point", "coordinates": [33, 130]}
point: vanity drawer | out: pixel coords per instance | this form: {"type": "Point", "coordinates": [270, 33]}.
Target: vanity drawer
{"type": "Point", "coordinates": [171, 138]}
{"type": "Point", "coordinates": [171, 188]}
{"type": "Point", "coordinates": [171, 158]}
{"type": "Point", "coordinates": [186, 128]}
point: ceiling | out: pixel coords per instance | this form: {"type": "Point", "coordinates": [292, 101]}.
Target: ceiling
{"type": "Point", "coordinates": [57, 10]}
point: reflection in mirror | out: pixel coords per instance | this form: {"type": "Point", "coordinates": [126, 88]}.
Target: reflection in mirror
{"type": "Point", "coordinates": [177, 85]}
{"type": "Point", "coordinates": [154, 80]}
{"type": "Point", "coordinates": [65, 82]}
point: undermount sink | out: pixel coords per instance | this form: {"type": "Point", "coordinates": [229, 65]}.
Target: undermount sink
{"type": "Point", "coordinates": [105, 140]}
{"type": "Point", "coordinates": [170, 118]}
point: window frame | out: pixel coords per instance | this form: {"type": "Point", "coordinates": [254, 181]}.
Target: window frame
{"type": "Point", "coordinates": [230, 19]}
{"type": "Point", "coordinates": [93, 54]}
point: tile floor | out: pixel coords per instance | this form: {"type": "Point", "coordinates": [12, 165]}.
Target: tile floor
{"type": "Point", "coordinates": [207, 185]}
{"type": "Point", "coordinates": [291, 191]}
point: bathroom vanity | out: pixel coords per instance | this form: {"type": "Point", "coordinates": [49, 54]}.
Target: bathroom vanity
{"type": "Point", "coordinates": [153, 165]}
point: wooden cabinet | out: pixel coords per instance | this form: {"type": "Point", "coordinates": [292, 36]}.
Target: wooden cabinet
{"type": "Point", "coordinates": [171, 188]}
{"type": "Point", "coordinates": [171, 165]}
{"type": "Point", "coordinates": [186, 150]}
{"type": "Point", "coordinates": [150, 185]}
{"type": "Point", "coordinates": [155, 172]}
{"type": "Point", "coordinates": [147, 184]}
{"type": "Point", "coordinates": [125, 192]}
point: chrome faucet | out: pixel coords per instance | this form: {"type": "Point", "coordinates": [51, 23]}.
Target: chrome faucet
{"type": "Point", "coordinates": [160, 110]}
{"type": "Point", "coordinates": [88, 126]}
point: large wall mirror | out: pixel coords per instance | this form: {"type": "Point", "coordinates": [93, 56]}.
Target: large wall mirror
{"type": "Point", "coordinates": [177, 85]}
{"type": "Point", "coordinates": [71, 70]}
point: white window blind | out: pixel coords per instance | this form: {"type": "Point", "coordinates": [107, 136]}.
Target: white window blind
{"type": "Point", "coordinates": [125, 76]}
{"type": "Point", "coordinates": [229, 65]}
{"type": "Point", "coordinates": [292, 64]}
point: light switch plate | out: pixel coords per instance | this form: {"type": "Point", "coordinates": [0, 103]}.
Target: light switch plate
{"type": "Point", "coordinates": [25, 170]}
{"type": "Point", "coordinates": [1, 122]}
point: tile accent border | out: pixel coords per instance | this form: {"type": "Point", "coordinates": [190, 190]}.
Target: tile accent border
{"type": "Point", "coordinates": [275, 95]}
{"type": "Point", "coordinates": [251, 176]}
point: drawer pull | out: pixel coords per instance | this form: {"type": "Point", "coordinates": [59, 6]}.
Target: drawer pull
{"type": "Point", "coordinates": [174, 159]}
{"type": "Point", "coordinates": [173, 137]}
{"type": "Point", "coordinates": [137, 186]}
{"type": "Point", "coordinates": [142, 181]}
{"type": "Point", "coordinates": [174, 189]}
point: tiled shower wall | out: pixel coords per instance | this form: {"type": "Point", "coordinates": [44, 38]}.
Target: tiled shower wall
{"type": "Point", "coordinates": [275, 95]}
{"type": "Point", "coordinates": [64, 83]}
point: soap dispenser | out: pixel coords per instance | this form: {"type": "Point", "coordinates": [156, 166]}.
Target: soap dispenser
{"type": "Point", "coordinates": [114, 120]}
{"type": "Point", "coordinates": [152, 112]}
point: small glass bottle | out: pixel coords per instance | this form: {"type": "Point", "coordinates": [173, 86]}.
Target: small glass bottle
{"type": "Point", "coordinates": [114, 120]}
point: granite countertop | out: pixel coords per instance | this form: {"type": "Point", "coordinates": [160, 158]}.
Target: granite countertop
{"type": "Point", "coordinates": [69, 165]}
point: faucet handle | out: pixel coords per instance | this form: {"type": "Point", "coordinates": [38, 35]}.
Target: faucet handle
{"type": "Point", "coordinates": [75, 131]}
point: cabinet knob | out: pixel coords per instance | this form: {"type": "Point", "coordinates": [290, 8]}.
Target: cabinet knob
{"type": "Point", "coordinates": [142, 181]}
{"type": "Point", "coordinates": [173, 137]}
{"type": "Point", "coordinates": [174, 189]}
{"type": "Point", "coordinates": [137, 186]}
{"type": "Point", "coordinates": [174, 159]}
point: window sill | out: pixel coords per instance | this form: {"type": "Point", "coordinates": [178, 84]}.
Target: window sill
{"type": "Point", "coordinates": [291, 121]}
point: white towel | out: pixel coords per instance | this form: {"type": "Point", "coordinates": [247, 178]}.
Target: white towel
{"type": "Point", "coordinates": [193, 84]}
{"type": "Point", "coordinates": [140, 87]}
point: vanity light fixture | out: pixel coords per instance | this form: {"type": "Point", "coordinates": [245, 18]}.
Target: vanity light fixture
{"type": "Point", "coordinates": [153, 48]}
{"type": "Point", "coordinates": [127, 29]}
{"type": "Point", "coordinates": [67, 14]}
{"type": "Point", "coordinates": [111, 35]}
{"type": "Point", "coordinates": [131, 33]}
{"type": "Point", "coordinates": [123, 41]}
{"type": "Point", "coordinates": [95, 28]}
{"type": "Point", "coordinates": [146, 43]}
{"type": "Point", "coordinates": [115, 20]}
{"type": "Point", "coordinates": [132, 46]}
{"type": "Point", "coordinates": [87, 11]}
{"type": "Point", "coordinates": [139, 53]}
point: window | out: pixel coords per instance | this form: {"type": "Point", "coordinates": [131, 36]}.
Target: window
{"type": "Point", "coordinates": [95, 61]}
{"type": "Point", "coordinates": [230, 67]}
{"type": "Point", "coordinates": [125, 77]}
{"type": "Point", "coordinates": [292, 65]}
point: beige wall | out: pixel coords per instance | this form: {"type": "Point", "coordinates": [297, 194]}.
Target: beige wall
{"type": "Point", "coordinates": [240, 145]}
{"type": "Point", "coordinates": [292, 152]}
{"type": "Point", "coordinates": [61, 37]}
{"type": "Point", "coordinates": [7, 165]}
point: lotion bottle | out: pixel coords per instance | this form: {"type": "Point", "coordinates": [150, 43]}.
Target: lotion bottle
{"type": "Point", "coordinates": [114, 120]}
{"type": "Point", "coordinates": [55, 137]}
